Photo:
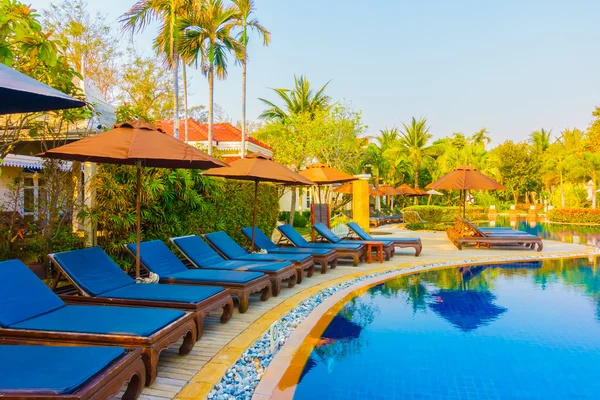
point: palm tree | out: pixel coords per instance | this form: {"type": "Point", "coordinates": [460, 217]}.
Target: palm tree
{"type": "Point", "coordinates": [298, 100]}
{"type": "Point", "coordinates": [207, 38]}
{"type": "Point", "coordinates": [414, 140]}
{"type": "Point", "coordinates": [481, 138]}
{"type": "Point", "coordinates": [541, 139]}
{"type": "Point", "coordinates": [246, 23]}
{"type": "Point", "coordinates": [166, 12]}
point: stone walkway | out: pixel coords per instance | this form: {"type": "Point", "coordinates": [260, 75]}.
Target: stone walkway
{"type": "Point", "coordinates": [175, 372]}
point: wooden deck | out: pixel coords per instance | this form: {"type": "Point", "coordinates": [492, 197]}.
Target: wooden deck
{"type": "Point", "coordinates": [175, 372]}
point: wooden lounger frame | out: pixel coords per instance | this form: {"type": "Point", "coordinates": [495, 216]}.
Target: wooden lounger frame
{"type": "Point", "coordinates": [276, 277]}
{"type": "Point", "coordinates": [464, 232]}
{"type": "Point", "coordinates": [357, 255]}
{"type": "Point", "coordinates": [129, 369]}
{"type": "Point", "coordinates": [198, 310]}
{"type": "Point", "coordinates": [415, 243]}
{"type": "Point", "coordinates": [151, 346]}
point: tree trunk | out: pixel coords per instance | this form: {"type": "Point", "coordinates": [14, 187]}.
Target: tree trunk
{"type": "Point", "coordinates": [244, 104]}
{"type": "Point", "coordinates": [211, 83]}
{"type": "Point", "coordinates": [562, 192]}
{"type": "Point", "coordinates": [293, 206]}
{"type": "Point", "coordinates": [185, 103]}
{"type": "Point", "coordinates": [593, 176]}
{"type": "Point", "coordinates": [176, 84]}
{"type": "Point", "coordinates": [416, 182]}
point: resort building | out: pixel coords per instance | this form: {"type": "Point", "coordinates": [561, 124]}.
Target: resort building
{"type": "Point", "coordinates": [227, 139]}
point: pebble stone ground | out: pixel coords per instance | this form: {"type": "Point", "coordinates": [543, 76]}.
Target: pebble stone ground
{"type": "Point", "coordinates": [175, 372]}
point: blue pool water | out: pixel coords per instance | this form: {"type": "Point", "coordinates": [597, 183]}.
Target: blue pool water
{"type": "Point", "coordinates": [579, 234]}
{"type": "Point", "coordinates": [517, 331]}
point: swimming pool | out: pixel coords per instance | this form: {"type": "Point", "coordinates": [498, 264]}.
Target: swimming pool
{"type": "Point", "coordinates": [521, 330]}
{"type": "Point", "coordinates": [579, 234]}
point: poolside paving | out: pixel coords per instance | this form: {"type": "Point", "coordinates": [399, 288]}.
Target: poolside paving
{"type": "Point", "coordinates": [176, 372]}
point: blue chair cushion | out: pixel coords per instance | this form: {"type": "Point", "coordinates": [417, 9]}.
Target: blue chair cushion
{"type": "Point", "coordinates": [207, 275]}
{"type": "Point", "coordinates": [197, 250]}
{"type": "Point", "coordinates": [158, 258]}
{"type": "Point", "coordinates": [359, 231]}
{"type": "Point", "coordinates": [225, 244]}
{"type": "Point", "coordinates": [102, 320]}
{"type": "Point", "coordinates": [274, 257]}
{"type": "Point", "coordinates": [260, 239]}
{"type": "Point", "coordinates": [23, 295]}
{"type": "Point", "coordinates": [93, 270]}
{"type": "Point", "coordinates": [240, 265]}
{"type": "Point", "coordinates": [298, 250]}
{"type": "Point", "coordinates": [292, 235]}
{"type": "Point", "coordinates": [53, 370]}
{"type": "Point", "coordinates": [174, 293]}
{"type": "Point", "coordinates": [326, 233]}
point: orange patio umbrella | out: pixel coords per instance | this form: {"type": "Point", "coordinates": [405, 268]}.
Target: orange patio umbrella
{"type": "Point", "coordinates": [465, 178]}
{"type": "Point", "coordinates": [388, 190]}
{"type": "Point", "coordinates": [347, 189]}
{"type": "Point", "coordinates": [136, 143]}
{"type": "Point", "coordinates": [259, 167]}
{"type": "Point", "coordinates": [405, 190]}
{"type": "Point", "coordinates": [321, 174]}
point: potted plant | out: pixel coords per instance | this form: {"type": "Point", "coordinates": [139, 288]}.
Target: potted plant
{"type": "Point", "coordinates": [35, 255]}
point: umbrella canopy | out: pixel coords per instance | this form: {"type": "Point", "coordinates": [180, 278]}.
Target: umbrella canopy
{"type": "Point", "coordinates": [417, 192]}
{"type": "Point", "coordinates": [388, 190]}
{"type": "Point", "coordinates": [405, 190]}
{"type": "Point", "coordinates": [136, 143]}
{"type": "Point", "coordinates": [324, 175]}
{"type": "Point", "coordinates": [465, 178]}
{"type": "Point", "coordinates": [21, 94]}
{"type": "Point", "coordinates": [259, 167]}
{"type": "Point", "coordinates": [434, 192]}
{"type": "Point", "coordinates": [347, 189]}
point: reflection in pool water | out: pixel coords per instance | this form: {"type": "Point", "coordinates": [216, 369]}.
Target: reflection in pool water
{"type": "Point", "coordinates": [579, 234]}
{"type": "Point", "coordinates": [526, 330]}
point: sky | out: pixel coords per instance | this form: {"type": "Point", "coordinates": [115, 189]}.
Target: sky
{"type": "Point", "coordinates": [510, 66]}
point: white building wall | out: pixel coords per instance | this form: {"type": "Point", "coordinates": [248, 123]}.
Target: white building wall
{"type": "Point", "coordinates": [6, 178]}
{"type": "Point", "coordinates": [302, 200]}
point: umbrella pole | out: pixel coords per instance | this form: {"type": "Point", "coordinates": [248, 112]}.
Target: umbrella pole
{"type": "Point", "coordinates": [254, 214]}
{"type": "Point", "coordinates": [138, 216]}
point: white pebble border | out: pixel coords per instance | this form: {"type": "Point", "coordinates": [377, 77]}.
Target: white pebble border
{"type": "Point", "coordinates": [241, 378]}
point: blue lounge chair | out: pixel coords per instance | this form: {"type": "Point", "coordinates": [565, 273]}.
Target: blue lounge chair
{"type": "Point", "coordinates": [31, 313]}
{"type": "Point", "coordinates": [246, 279]}
{"type": "Point", "coordinates": [320, 256]}
{"type": "Point", "coordinates": [225, 245]}
{"type": "Point", "coordinates": [398, 242]}
{"type": "Point", "coordinates": [356, 251]}
{"type": "Point", "coordinates": [69, 372]}
{"type": "Point", "coordinates": [323, 230]}
{"type": "Point", "coordinates": [101, 281]}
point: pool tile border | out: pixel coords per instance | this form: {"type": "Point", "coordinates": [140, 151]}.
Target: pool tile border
{"type": "Point", "coordinates": [235, 372]}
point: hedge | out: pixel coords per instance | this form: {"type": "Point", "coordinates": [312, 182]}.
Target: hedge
{"type": "Point", "coordinates": [176, 203]}
{"type": "Point", "coordinates": [574, 215]}
{"type": "Point", "coordinates": [436, 214]}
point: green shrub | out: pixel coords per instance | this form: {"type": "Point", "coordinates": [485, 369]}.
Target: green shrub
{"type": "Point", "coordinates": [575, 196]}
{"type": "Point", "coordinates": [300, 221]}
{"type": "Point", "coordinates": [428, 213]}
{"type": "Point", "coordinates": [175, 203]}
{"type": "Point", "coordinates": [428, 226]}
{"type": "Point", "coordinates": [574, 215]}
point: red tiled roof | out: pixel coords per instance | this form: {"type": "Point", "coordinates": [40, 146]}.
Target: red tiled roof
{"type": "Point", "coordinates": [197, 132]}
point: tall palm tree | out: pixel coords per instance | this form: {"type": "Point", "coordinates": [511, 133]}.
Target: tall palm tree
{"type": "Point", "coordinates": [481, 138]}
{"type": "Point", "coordinates": [167, 13]}
{"type": "Point", "coordinates": [298, 100]}
{"type": "Point", "coordinates": [207, 39]}
{"type": "Point", "coordinates": [414, 139]}
{"type": "Point", "coordinates": [541, 139]}
{"type": "Point", "coordinates": [246, 23]}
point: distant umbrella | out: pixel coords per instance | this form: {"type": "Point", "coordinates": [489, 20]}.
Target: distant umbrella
{"type": "Point", "coordinates": [405, 190]}
{"type": "Point", "coordinates": [465, 178]}
{"type": "Point", "coordinates": [347, 189]}
{"type": "Point", "coordinates": [135, 143]}
{"type": "Point", "coordinates": [258, 167]}
{"type": "Point", "coordinates": [20, 93]}
{"type": "Point", "coordinates": [321, 174]}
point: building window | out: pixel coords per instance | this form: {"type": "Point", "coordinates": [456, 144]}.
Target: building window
{"type": "Point", "coordinates": [32, 193]}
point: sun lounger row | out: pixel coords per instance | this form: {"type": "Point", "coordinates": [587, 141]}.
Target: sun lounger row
{"type": "Point", "coordinates": [120, 326]}
{"type": "Point", "coordinates": [464, 232]}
